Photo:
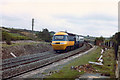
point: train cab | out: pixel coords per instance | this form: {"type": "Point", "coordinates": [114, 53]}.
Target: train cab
{"type": "Point", "coordinates": [61, 41]}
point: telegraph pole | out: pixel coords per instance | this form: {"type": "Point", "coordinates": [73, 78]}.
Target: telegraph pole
{"type": "Point", "coordinates": [32, 24]}
{"type": "Point", "coordinates": [32, 28]}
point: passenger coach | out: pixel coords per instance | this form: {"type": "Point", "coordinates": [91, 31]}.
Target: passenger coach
{"type": "Point", "coordinates": [63, 41]}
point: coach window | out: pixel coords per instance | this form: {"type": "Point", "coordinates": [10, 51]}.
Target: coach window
{"type": "Point", "coordinates": [66, 38]}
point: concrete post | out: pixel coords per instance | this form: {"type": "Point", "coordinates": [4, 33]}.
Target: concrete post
{"type": "Point", "coordinates": [32, 28]}
{"type": "Point", "coordinates": [119, 61]}
{"type": "Point", "coordinates": [117, 72]}
{"type": "Point", "coordinates": [32, 24]}
{"type": "Point", "coordinates": [111, 43]}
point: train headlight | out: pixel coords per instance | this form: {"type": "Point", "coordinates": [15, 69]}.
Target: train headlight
{"type": "Point", "coordinates": [62, 43]}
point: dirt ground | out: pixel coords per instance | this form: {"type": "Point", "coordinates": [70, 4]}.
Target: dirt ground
{"type": "Point", "coordinates": [20, 50]}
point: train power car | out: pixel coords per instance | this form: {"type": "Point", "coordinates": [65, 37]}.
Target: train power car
{"type": "Point", "coordinates": [63, 41]}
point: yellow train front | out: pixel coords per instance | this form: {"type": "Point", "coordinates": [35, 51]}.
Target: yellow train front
{"type": "Point", "coordinates": [63, 41]}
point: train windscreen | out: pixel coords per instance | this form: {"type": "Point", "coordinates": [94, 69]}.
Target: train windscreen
{"type": "Point", "coordinates": [59, 38]}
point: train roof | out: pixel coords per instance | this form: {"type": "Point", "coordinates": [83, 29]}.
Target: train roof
{"type": "Point", "coordinates": [66, 33]}
{"type": "Point", "coordinates": [60, 33]}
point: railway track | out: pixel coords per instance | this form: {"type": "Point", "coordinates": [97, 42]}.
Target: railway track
{"type": "Point", "coordinates": [16, 66]}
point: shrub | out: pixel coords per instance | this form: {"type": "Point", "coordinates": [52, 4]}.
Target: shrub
{"type": "Point", "coordinates": [45, 35]}
{"type": "Point", "coordinates": [6, 37]}
{"type": "Point", "coordinates": [8, 41]}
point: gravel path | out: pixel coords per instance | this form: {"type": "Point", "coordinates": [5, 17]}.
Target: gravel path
{"type": "Point", "coordinates": [90, 76]}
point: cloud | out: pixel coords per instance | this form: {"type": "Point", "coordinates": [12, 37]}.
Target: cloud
{"type": "Point", "coordinates": [90, 25]}
{"type": "Point", "coordinates": [82, 17]}
{"type": "Point", "coordinates": [94, 16]}
{"type": "Point", "coordinates": [95, 24]}
{"type": "Point", "coordinates": [13, 21]}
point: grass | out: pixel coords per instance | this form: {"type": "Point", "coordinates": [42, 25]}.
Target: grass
{"type": "Point", "coordinates": [66, 72]}
{"type": "Point", "coordinates": [26, 43]}
{"type": "Point", "coordinates": [16, 44]}
{"type": "Point", "coordinates": [109, 62]}
{"type": "Point", "coordinates": [107, 68]}
{"type": "Point", "coordinates": [14, 34]}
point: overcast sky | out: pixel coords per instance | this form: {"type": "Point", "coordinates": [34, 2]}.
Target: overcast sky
{"type": "Point", "coordinates": [83, 17]}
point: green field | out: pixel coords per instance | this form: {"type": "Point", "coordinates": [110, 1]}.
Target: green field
{"type": "Point", "coordinates": [66, 71]}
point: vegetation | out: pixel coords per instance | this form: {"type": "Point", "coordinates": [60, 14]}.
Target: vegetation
{"type": "Point", "coordinates": [108, 64]}
{"type": "Point", "coordinates": [106, 69]}
{"type": "Point", "coordinates": [116, 38]}
{"type": "Point", "coordinates": [116, 42]}
{"type": "Point", "coordinates": [26, 43]}
{"type": "Point", "coordinates": [66, 72]}
{"type": "Point", "coordinates": [6, 36]}
{"type": "Point", "coordinates": [45, 35]}
{"type": "Point", "coordinates": [99, 39]}
{"type": "Point", "coordinates": [11, 34]}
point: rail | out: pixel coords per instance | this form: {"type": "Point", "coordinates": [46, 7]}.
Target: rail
{"type": "Point", "coordinates": [16, 66]}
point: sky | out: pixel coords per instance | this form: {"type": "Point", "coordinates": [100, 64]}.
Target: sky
{"type": "Point", "coordinates": [84, 17]}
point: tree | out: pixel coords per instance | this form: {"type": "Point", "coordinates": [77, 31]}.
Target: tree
{"type": "Point", "coordinates": [116, 42]}
{"type": "Point", "coordinates": [45, 35]}
{"type": "Point", "coordinates": [116, 38]}
{"type": "Point", "coordinates": [6, 37]}
{"type": "Point", "coordinates": [100, 39]}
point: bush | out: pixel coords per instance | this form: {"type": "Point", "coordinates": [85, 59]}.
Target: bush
{"type": "Point", "coordinates": [6, 37]}
{"type": "Point", "coordinates": [8, 41]}
{"type": "Point", "coordinates": [45, 35]}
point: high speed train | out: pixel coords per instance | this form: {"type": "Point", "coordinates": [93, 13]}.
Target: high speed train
{"type": "Point", "coordinates": [64, 41]}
